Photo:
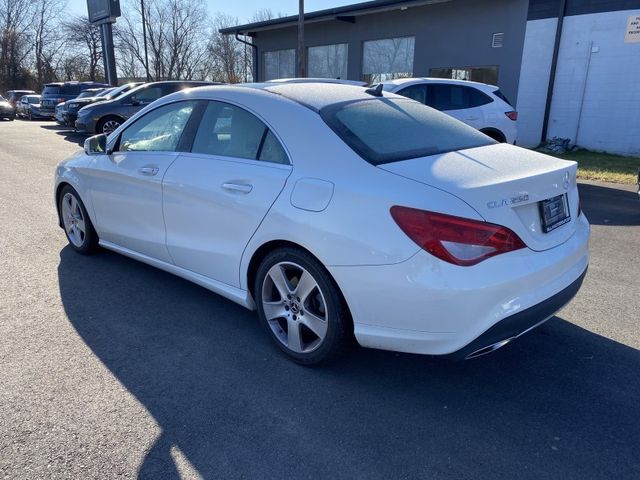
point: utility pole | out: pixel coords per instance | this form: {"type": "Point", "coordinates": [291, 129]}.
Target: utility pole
{"type": "Point", "coordinates": [301, 70]}
{"type": "Point", "coordinates": [144, 36]}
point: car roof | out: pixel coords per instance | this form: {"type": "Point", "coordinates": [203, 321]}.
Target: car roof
{"type": "Point", "coordinates": [318, 80]}
{"type": "Point", "coordinates": [311, 95]}
{"type": "Point", "coordinates": [450, 81]}
{"type": "Point", "coordinates": [20, 91]}
{"type": "Point", "coordinates": [315, 95]}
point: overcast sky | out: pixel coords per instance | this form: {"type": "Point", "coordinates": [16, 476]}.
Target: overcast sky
{"type": "Point", "coordinates": [244, 9]}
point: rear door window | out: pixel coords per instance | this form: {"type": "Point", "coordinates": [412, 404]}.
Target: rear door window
{"type": "Point", "coordinates": [445, 97]}
{"type": "Point", "coordinates": [230, 131]}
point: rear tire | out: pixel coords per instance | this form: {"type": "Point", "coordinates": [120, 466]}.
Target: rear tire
{"type": "Point", "coordinates": [76, 222]}
{"type": "Point", "coordinates": [301, 307]}
{"type": "Point", "coordinates": [497, 135]}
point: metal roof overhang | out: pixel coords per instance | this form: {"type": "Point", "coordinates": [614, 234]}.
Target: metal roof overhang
{"type": "Point", "coordinates": [347, 13]}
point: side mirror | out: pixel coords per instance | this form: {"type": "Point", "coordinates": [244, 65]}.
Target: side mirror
{"type": "Point", "coordinates": [96, 145]}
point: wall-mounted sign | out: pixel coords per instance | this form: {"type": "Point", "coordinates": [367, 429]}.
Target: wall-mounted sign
{"type": "Point", "coordinates": [632, 33]}
{"type": "Point", "coordinates": [103, 10]}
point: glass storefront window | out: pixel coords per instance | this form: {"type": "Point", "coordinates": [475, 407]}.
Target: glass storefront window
{"type": "Point", "coordinates": [279, 64]}
{"type": "Point", "coordinates": [387, 59]}
{"type": "Point", "coordinates": [327, 61]}
{"type": "Point", "coordinates": [486, 74]}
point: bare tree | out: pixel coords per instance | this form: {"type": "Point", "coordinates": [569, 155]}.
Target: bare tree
{"type": "Point", "coordinates": [14, 42]}
{"type": "Point", "coordinates": [176, 35]}
{"type": "Point", "coordinates": [264, 15]}
{"type": "Point", "coordinates": [87, 42]}
{"type": "Point", "coordinates": [45, 36]}
{"type": "Point", "coordinates": [226, 54]}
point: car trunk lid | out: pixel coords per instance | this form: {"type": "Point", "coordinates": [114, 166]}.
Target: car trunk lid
{"type": "Point", "coordinates": [507, 186]}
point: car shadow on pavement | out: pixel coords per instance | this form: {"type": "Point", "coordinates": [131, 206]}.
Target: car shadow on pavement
{"type": "Point", "coordinates": [561, 402]}
{"type": "Point", "coordinates": [609, 206]}
{"type": "Point", "coordinates": [67, 133]}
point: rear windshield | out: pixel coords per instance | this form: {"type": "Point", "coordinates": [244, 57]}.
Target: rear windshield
{"type": "Point", "coordinates": [384, 130]}
{"type": "Point", "coordinates": [61, 90]}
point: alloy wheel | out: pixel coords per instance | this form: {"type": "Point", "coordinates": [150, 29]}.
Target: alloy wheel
{"type": "Point", "coordinates": [73, 220]}
{"type": "Point", "coordinates": [294, 307]}
{"type": "Point", "coordinates": [109, 126]}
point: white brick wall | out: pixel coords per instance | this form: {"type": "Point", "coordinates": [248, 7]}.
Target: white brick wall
{"type": "Point", "coordinates": [534, 79]}
{"type": "Point", "coordinates": [610, 117]}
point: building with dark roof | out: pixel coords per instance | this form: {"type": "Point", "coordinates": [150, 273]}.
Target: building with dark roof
{"type": "Point", "coordinates": [561, 62]}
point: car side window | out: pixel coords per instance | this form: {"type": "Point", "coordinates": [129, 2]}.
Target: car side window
{"type": "Point", "coordinates": [415, 92]}
{"type": "Point", "coordinates": [149, 95]}
{"type": "Point", "coordinates": [159, 130]}
{"type": "Point", "coordinates": [478, 98]}
{"type": "Point", "coordinates": [449, 97]}
{"type": "Point", "coordinates": [230, 131]}
{"type": "Point", "coordinates": [272, 150]}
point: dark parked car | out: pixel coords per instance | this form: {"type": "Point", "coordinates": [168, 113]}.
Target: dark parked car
{"type": "Point", "coordinates": [61, 108]}
{"type": "Point", "coordinates": [55, 93]}
{"type": "Point", "coordinates": [6, 109]}
{"type": "Point", "coordinates": [105, 117]}
{"type": "Point", "coordinates": [71, 112]}
{"type": "Point", "coordinates": [29, 107]}
{"type": "Point", "coordinates": [13, 96]}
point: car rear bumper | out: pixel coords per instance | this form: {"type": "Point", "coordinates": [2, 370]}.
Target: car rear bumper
{"type": "Point", "coordinates": [427, 306]}
{"type": "Point", "coordinates": [518, 324]}
{"type": "Point", "coordinates": [46, 113]}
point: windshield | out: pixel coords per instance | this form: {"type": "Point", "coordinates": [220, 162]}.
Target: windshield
{"type": "Point", "coordinates": [117, 92]}
{"type": "Point", "coordinates": [33, 99]}
{"type": "Point", "coordinates": [88, 93]}
{"type": "Point", "coordinates": [383, 130]}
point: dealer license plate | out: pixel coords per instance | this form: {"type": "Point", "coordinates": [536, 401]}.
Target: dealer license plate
{"type": "Point", "coordinates": [554, 212]}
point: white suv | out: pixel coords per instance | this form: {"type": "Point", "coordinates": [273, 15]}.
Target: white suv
{"type": "Point", "coordinates": [479, 105]}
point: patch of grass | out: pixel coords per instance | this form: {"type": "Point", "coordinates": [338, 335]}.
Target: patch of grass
{"type": "Point", "coordinates": [604, 166]}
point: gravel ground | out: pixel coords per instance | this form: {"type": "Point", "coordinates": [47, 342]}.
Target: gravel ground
{"type": "Point", "coordinates": [112, 369]}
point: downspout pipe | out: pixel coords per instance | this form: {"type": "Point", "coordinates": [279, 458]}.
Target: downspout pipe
{"type": "Point", "coordinates": [552, 75]}
{"type": "Point", "coordinates": [254, 55]}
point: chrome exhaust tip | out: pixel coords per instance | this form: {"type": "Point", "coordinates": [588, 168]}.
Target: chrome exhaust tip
{"type": "Point", "coordinates": [489, 348]}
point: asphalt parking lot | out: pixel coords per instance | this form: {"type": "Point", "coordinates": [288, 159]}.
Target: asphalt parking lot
{"type": "Point", "coordinates": [110, 368]}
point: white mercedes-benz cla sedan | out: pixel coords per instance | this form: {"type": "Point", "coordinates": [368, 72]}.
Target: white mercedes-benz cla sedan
{"type": "Point", "coordinates": [336, 212]}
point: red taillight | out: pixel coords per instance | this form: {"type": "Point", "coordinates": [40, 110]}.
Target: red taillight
{"type": "Point", "coordinates": [456, 240]}
{"type": "Point", "coordinates": [513, 115]}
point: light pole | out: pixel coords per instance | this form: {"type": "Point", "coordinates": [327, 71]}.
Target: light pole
{"type": "Point", "coordinates": [144, 37]}
{"type": "Point", "coordinates": [301, 70]}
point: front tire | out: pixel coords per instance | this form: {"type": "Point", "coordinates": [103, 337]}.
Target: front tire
{"type": "Point", "coordinates": [108, 125]}
{"type": "Point", "coordinates": [76, 222]}
{"type": "Point", "coordinates": [301, 307]}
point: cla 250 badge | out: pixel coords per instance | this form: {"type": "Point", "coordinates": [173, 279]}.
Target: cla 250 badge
{"type": "Point", "coordinates": [505, 202]}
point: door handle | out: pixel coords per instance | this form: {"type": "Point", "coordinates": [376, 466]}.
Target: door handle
{"type": "Point", "coordinates": [149, 171]}
{"type": "Point", "coordinates": [237, 187]}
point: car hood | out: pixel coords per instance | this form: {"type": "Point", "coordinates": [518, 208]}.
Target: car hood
{"type": "Point", "coordinates": [87, 100]}
{"type": "Point", "coordinates": [5, 105]}
{"type": "Point", "coordinates": [105, 104]}
{"type": "Point", "coordinates": [504, 184]}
